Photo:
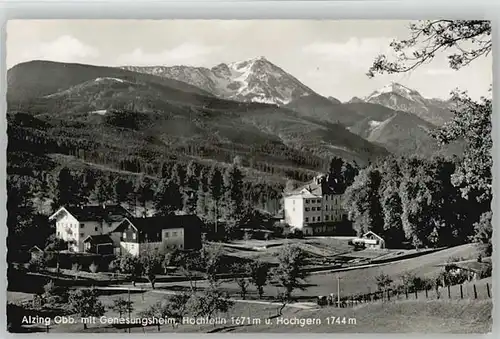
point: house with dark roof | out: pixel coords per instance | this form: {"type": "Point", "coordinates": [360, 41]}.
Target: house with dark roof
{"type": "Point", "coordinates": [138, 235]}
{"type": "Point", "coordinates": [75, 224]}
{"type": "Point", "coordinates": [99, 244]}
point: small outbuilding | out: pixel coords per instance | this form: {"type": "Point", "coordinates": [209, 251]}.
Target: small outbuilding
{"type": "Point", "coordinates": [370, 240]}
{"type": "Point", "coordinates": [99, 244]}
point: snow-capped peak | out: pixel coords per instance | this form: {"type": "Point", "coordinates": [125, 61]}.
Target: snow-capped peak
{"type": "Point", "coordinates": [253, 80]}
{"type": "Point", "coordinates": [398, 89]}
{"type": "Point", "coordinates": [402, 98]}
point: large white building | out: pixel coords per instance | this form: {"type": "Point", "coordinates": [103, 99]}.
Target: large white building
{"type": "Point", "coordinates": [311, 210]}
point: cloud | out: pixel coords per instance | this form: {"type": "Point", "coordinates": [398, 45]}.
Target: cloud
{"type": "Point", "coordinates": [185, 54]}
{"type": "Point", "coordinates": [355, 52]}
{"type": "Point", "coordinates": [64, 49]}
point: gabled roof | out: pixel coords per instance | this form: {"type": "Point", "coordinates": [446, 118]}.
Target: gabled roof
{"type": "Point", "coordinates": [35, 249]}
{"type": "Point", "coordinates": [110, 213]}
{"type": "Point", "coordinates": [99, 239]}
{"type": "Point", "coordinates": [155, 224]}
{"type": "Point", "coordinates": [374, 234]}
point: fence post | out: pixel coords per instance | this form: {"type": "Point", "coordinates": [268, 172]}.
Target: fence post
{"type": "Point", "coordinates": [416, 294]}
{"type": "Point", "coordinates": [475, 292]}
{"type": "Point", "coordinates": [426, 292]}
{"type": "Point", "coordinates": [488, 290]}
{"type": "Point", "coordinates": [461, 292]}
{"type": "Point", "coordinates": [437, 291]}
{"type": "Point", "coordinates": [449, 292]}
{"type": "Point", "coordinates": [406, 292]}
{"type": "Point", "coordinates": [389, 295]}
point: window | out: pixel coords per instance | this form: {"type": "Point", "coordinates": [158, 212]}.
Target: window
{"type": "Point", "coordinates": [313, 208]}
{"type": "Point", "coordinates": [81, 234]}
{"type": "Point", "coordinates": [307, 201]}
{"type": "Point", "coordinates": [96, 228]}
{"type": "Point", "coordinates": [180, 246]}
{"type": "Point", "coordinates": [82, 225]}
{"type": "Point", "coordinates": [293, 202]}
{"type": "Point", "coordinates": [326, 208]}
{"type": "Point", "coordinates": [314, 219]}
{"type": "Point", "coordinates": [307, 219]}
{"type": "Point", "coordinates": [167, 234]}
{"type": "Point", "coordinates": [307, 209]}
{"type": "Point", "coordinates": [293, 209]}
{"type": "Point", "coordinates": [133, 236]}
{"type": "Point", "coordinates": [58, 234]}
{"type": "Point", "coordinates": [318, 201]}
{"type": "Point", "coordinates": [326, 217]}
{"type": "Point", "coordinates": [174, 234]}
{"type": "Point", "coordinates": [326, 197]}
{"type": "Point", "coordinates": [124, 235]}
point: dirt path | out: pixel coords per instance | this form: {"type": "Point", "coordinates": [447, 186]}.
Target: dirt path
{"type": "Point", "coordinates": [299, 305]}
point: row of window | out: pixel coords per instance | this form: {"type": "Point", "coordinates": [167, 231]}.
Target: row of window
{"type": "Point", "coordinates": [81, 234]}
{"type": "Point", "coordinates": [67, 224]}
{"type": "Point", "coordinates": [307, 209]}
{"type": "Point", "coordinates": [167, 235]}
{"type": "Point", "coordinates": [313, 201]}
{"type": "Point", "coordinates": [318, 219]}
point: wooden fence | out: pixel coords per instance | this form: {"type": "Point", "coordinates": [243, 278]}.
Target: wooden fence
{"type": "Point", "coordinates": [468, 290]}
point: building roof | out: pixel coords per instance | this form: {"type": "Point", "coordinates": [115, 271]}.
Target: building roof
{"type": "Point", "coordinates": [374, 234]}
{"type": "Point", "coordinates": [110, 213]}
{"type": "Point", "coordinates": [155, 224]}
{"type": "Point", "coordinates": [35, 249]}
{"type": "Point", "coordinates": [99, 239]}
{"type": "Point", "coordinates": [316, 188]}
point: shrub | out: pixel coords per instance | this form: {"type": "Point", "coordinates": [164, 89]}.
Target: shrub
{"type": "Point", "coordinates": [36, 264]}
{"type": "Point", "coordinates": [93, 268]}
{"type": "Point", "coordinates": [485, 271]}
{"type": "Point", "coordinates": [411, 282]}
{"type": "Point", "coordinates": [383, 281]}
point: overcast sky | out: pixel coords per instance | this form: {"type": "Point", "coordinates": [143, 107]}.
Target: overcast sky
{"type": "Point", "coordinates": [331, 57]}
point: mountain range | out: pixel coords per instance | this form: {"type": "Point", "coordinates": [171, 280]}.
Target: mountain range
{"type": "Point", "coordinates": [252, 80]}
{"type": "Point", "coordinates": [252, 109]}
{"type": "Point", "coordinates": [402, 98]}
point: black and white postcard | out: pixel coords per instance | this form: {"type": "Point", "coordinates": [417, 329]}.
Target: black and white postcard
{"type": "Point", "coordinates": [216, 176]}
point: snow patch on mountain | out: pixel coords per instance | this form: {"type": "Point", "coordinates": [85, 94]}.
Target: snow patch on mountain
{"type": "Point", "coordinates": [402, 98]}
{"type": "Point", "coordinates": [100, 112]}
{"type": "Point", "coordinates": [374, 123]}
{"type": "Point", "coordinates": [109, 79]}
{"type": "Point", "coordinates": [251, 80]}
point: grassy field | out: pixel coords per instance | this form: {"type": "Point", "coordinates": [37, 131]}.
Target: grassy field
{"type": "Point", "coordinates": [434, 316]}
{"type": "Point", "coordinates": [320, 250]}
{"type": "Point", "coordinates": [360, 280]}
{"type": "Point", "coordinates": [437, 316]}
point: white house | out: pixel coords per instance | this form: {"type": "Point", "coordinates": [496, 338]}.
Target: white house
{"type": "Point", "coordinates": [139, 235]}
{"type": "Point", "coordinates": [75, 224]}
{"type": "Point", "coordinates": [311, 210]}
{"type": "Point", "coordinates": [370, 240]}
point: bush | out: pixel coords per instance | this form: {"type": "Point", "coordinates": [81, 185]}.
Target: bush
{"type": "Point", "coordinates": [411, 282]}
{"type": "Point", "coordinates": [36, 264]}
{"type": "Point", "coordinates": [93, 268]}
{"type": "Point", "coordinates": [451, 277]}
{"type": "Point", "coordinates": [485, 271]}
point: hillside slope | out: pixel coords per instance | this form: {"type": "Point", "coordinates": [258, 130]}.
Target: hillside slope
{"type": "Point", "coordinates": [400, 132]}
{"type": "Point", "coordinates": [136, 115]}
{"type": "Point", "coordinates": [252, 80]}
